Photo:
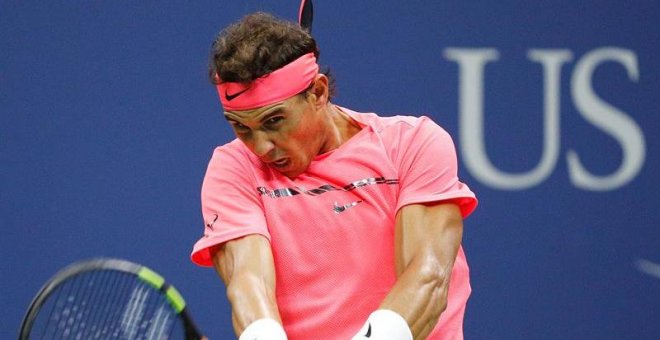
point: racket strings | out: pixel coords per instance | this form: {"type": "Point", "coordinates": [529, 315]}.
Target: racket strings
{"type": "Point", "coordinates": [82, 313]}
{"type": "Point", "coordinates": [107, 305]}
{"type": "Point", "coordinates": [99, 316]}
{"type": "Point", "coordinates": [62, 313]}
{"type": "Point", "coordinates": [108, 294]}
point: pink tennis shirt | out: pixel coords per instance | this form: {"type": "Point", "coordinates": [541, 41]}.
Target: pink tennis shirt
{"type": "Point", "coordinates": [332, 228]}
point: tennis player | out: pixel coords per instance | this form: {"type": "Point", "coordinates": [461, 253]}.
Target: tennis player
{"type": "Point", "coordinates": [323, 222]}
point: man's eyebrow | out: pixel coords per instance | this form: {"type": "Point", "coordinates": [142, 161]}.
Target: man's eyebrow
{"type": "Point", "coordinates": [274, 111]}
{"type": "Point", "coordinates": [277, 111]}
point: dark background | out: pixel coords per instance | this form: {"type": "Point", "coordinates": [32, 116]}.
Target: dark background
{"type": "Point", "coordinates": [107, 122]}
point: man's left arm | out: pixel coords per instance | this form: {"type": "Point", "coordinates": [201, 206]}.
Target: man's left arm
{"type": "Point", "coordinates": [427, 239]}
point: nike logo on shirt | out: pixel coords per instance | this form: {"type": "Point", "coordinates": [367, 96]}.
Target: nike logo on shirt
{"type": "Point", "coordinates": [341, 208]}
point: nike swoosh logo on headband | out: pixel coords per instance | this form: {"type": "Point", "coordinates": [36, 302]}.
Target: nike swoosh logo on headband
{"type": "Point", "coordinates": [233, 96]}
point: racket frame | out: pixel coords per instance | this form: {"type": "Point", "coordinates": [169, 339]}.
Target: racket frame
{"type": "Point", "coordinates": [143, 273]}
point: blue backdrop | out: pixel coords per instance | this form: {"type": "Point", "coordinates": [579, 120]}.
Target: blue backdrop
{"type": "Point", "coordinates": [107, 122]}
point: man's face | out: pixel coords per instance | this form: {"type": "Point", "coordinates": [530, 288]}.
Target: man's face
{"type": "Point", "coordinates": [285, 135]}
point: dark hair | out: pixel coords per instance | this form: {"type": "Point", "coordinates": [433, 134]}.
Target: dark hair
{"type": "Point", "coordinates": [257, 45]}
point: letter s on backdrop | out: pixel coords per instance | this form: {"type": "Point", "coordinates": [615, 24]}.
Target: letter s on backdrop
{"type": "Point", "coordinates": [607, 118]}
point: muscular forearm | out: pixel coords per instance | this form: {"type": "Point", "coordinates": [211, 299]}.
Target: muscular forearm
{"type": "Point", "coordinates": [251, 299]}
{"type": "Point", "coordinates": [420, 294]}
{"type": "Point", "coordinates": [427, 241]}
{"type": "Point", "coordinates": [246, 266]}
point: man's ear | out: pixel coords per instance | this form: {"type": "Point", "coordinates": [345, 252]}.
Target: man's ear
{"type": "Point", "coordinates": [320, 90]}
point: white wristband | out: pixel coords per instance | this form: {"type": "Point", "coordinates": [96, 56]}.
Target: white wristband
{"type": "Point", "coordinates": [384, 324]}
{"type": "Point", "coordinates": [263, 329]}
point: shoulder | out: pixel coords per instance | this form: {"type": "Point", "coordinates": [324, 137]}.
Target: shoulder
{"type": "Point", "coordinates": [233, 158]}
{"type": "Point", "coordinates": [234, 152]}
{"type": "Point", "coordinates": [400, 128]}
{"type": "Point", "coordinates": [409, 126]}
{"type": "Point", "coordinates": [233, 149]}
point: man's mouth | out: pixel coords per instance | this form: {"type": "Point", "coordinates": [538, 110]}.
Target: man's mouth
{"type": "Point", "coordinates": [280, 163]}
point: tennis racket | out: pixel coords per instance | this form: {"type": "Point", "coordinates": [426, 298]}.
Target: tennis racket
{"type": "Point", "coordinates": [108, 299]}
{"type": "Point", "coordinates": [306, 15]}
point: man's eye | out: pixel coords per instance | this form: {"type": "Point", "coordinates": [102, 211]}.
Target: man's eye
{"type": "Point", "coordinates": [274, 120]}
{"type": "Point", "coordinates": [240, 127]}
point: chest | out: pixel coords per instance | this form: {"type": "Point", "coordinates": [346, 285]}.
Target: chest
{"type": "Point", "coordinates": [337, 197]}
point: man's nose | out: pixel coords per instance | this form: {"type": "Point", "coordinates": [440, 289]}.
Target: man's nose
{"type": "Point", "coordinates": [262, 143]}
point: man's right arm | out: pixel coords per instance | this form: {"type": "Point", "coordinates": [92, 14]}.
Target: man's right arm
{"type": "Point", "coordinates": [246, 266]}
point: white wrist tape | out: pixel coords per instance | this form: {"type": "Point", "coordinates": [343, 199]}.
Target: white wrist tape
{"type": "Point", "coordinates": [263, 329]}
{"type": "Point", "coordinates": [384, 324]}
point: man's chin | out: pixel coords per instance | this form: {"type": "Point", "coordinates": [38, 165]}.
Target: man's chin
{"type": "Point", "coordinates": [290, 172]}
